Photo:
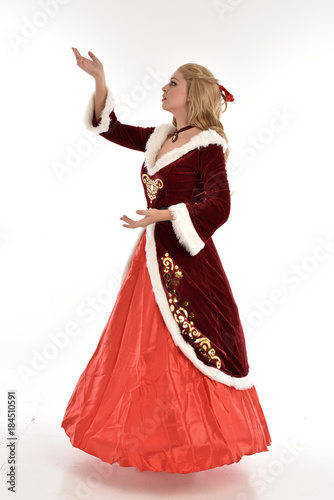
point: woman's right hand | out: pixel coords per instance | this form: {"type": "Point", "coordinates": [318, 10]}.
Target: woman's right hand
{"type": "Point", "coordinates": [93, 67]}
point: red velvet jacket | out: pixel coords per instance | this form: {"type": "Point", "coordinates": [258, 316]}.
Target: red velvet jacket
{"type": "Point", "coordinates": [188, 279]}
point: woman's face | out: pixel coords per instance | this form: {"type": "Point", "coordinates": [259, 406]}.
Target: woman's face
{"type": "Point", "coordinates": [175, 93]}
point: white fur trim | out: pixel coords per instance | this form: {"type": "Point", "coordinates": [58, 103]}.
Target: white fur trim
{"type": "Point", "coordinates": [160, 134]}
{"type": "Point", "coordinates": [161, 299]}
{"type": "Point", "coordinates": [184, 229]}
{"type": "Point", "coordinates": [105, 119]}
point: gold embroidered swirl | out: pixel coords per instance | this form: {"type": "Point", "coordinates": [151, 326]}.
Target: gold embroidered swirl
{"type": "Point", "coordinates": [172, 275]}
{"type": "Point", "coordinates": [152, 186]}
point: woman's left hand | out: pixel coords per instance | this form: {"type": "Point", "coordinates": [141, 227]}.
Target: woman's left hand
{"type": "Point", "coordinates": [152, 215]}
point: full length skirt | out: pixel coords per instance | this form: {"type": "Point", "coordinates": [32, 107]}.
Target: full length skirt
{"type": "Point", "coordinates": [140, 402]}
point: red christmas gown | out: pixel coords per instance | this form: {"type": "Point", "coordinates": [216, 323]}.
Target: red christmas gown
{"type": "Point", "coordinates": [168, 387]}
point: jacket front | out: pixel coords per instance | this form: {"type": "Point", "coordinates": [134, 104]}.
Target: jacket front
{"type": "Point", "coordinates": [187, 276]}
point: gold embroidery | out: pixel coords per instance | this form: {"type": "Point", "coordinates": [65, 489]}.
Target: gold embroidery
{"type": "Point", "coordinates": [152, 186]}
{"type": "Point", "coordinates": [181, 314]}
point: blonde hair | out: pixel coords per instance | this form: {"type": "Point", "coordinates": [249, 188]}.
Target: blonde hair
{"type": "Point", "coordinates": [205, 106]}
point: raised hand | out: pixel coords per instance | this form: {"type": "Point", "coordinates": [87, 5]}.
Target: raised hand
{"type": "Point", "coordinates": [93, 66]}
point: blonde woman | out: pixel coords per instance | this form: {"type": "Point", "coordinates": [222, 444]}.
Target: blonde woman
{"type": "Point", "coordinates": [168, 387]}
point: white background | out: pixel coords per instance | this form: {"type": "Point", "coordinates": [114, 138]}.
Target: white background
{"type": "Point", "coordinates": [62, 242]}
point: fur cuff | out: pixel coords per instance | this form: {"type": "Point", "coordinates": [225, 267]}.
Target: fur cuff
{"type": "Point", "coordinates": [184, 229]}
{"type": "Point", "coordinates": [105, 119]}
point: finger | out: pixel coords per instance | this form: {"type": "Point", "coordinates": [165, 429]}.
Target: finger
{"type": "Point", "coordinates": [80, 60]}
{"type": "Point", "coordinates": [92, 56]}
{"type": "Point", "coordinates": [142, 212]}
{"type": "Point", "coordinates": [127, 219]}
{"type": "Point", "coordinates": [76, 52]}
{"type": "Point", "coordinates": [130, 225]}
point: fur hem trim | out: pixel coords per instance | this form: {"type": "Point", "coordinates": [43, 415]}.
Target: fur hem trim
{"type": "Point", "coordinates": [184, 229]}
{"type": "Point", "coordinates": [105, 118]}
{"type": "Point", "coordinates": [241, 383]}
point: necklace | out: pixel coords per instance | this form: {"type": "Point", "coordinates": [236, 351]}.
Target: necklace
{"type": "Point", "coordinates": [176, 133]}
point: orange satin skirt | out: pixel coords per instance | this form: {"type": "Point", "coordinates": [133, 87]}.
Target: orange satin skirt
{"type": "Point", "coordinates": [140, 402]}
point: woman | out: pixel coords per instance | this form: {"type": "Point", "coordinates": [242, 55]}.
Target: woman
{"type": "Point", "coordinates": [168, 387]}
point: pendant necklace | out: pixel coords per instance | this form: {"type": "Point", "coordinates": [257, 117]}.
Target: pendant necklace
{"type": "Point", "coordinates": [176, 133]}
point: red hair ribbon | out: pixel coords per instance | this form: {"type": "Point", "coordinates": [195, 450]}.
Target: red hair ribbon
{"type": "Point", "coordinates": [229, 97]}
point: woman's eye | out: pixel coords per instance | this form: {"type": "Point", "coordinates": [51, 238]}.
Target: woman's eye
{"type": "Point", "coordinates": [172, 83]}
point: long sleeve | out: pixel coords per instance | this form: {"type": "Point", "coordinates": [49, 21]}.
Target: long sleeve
{"type": "Point", "coordinates": [195, 223]}
{"type": "Point", "coordinates": [109, 127]}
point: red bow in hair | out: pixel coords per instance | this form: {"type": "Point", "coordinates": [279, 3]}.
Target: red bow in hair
{"type": "Point", "coordinates": [229, 97]}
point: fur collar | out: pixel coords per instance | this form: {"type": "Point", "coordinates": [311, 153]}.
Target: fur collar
{"type": "Point", "coordinates": [158, 137]}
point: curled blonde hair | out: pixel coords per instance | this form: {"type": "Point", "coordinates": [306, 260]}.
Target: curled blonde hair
{"type": "Point", "coordinates": [205, 105]}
